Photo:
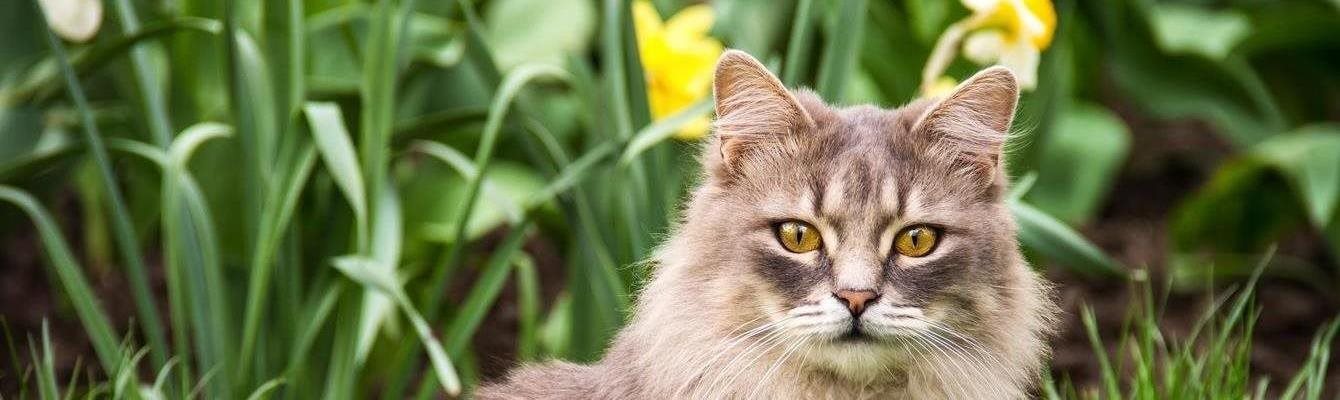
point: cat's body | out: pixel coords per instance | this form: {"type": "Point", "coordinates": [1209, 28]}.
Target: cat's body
{"type": "Point", "coordinates": [731, 313]}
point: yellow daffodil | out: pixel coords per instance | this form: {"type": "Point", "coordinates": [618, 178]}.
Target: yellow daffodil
{"type": "Point", "coordinates": [677, 56]}
{"type": "Point", "coordinates": [1012, 33]}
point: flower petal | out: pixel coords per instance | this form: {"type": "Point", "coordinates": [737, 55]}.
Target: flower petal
{"type": "Point", "coordinates": [984, 47]}
{"type": "Point", "coordinates": [73, 20]}
{"type": "Point", "coordinates": [692, 21]}
{"type": "Point", "coordinates": [1022, 59]}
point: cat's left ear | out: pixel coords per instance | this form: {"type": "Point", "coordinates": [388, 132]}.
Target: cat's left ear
{"type": "Point", "coordinates": [971, 124]}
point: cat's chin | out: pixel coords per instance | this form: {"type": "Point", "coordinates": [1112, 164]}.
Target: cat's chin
{"type": "Point", "coordinates": [859, 358]}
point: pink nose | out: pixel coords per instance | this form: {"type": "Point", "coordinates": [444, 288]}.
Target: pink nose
{"type": "Point", "coordinates": [856, 300]}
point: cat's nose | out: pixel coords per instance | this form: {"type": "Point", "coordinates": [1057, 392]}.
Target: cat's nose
{"type": "Point", "coordinates": [856, 300]}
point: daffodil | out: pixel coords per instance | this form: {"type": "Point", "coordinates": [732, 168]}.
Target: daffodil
{"type": "Point", "coordinates": [73, 20]}
{"type": "Point", "coordinates": [678, 57]}
{"type": "Point", "coordinates": [1012, 33]}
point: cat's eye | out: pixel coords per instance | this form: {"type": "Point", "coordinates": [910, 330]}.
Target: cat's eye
{"type": "Point", "coordinates": [798, 237]}
{"type": "Point", "coordinates": [916, 241]}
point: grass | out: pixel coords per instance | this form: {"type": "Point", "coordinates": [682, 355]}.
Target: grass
{"type": "Point", "coordinates": [313, 176]}
{"type": "Point", "coordinates": [1213, 361]}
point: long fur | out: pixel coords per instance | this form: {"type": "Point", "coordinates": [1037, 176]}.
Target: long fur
{"type": "Point", "coordinates": [707, 324]}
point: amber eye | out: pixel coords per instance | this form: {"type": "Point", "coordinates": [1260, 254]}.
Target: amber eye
{"type": "Point", "coordinates": [798, 237]}
{"type": "Point", "coordinates": [916, 241]}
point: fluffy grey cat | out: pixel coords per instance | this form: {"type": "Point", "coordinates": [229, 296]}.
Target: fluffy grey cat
{"type": "Point", "coordinates": [829, 252]}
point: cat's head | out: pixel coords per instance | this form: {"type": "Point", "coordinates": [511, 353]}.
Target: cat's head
{"type": "Point", "coordinates": [851, 230]}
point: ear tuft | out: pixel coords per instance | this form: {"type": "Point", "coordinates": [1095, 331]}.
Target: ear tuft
{"type": "Point", "coordinates": [753, 108]}
{"type": "Point", "coordinates": [971, 123]}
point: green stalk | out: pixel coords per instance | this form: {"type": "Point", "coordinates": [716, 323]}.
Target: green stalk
{"type": "Point", "coordinates": [502, 102]}
{"type": "Point", "coordinates": [843, 49]}
{"type": "Point", "coordinates": [798, 47]}
{"type": "Point", "coordinates": [126, 240]}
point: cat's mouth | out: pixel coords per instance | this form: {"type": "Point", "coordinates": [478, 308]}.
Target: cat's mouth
{"type": "Point", "coordinates": [854, 334]}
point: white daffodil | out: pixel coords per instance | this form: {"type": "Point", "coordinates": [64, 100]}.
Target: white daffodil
{"type": "Point", "coordinates": [73, 20]}
{"type": "Point", "coordinates": [1012, 33]}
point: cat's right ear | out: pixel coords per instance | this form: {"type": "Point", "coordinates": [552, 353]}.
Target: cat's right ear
{"type": "Point", "coordinates": [754, 112]}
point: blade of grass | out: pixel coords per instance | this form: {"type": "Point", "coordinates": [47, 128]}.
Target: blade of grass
{"type": "Point", "coordinates": [842, 50]}
{"type": "Point", "coordinates": [1109, 375]}
{"type": "Point", "coordinates": [46, 369]}
{"type": "Point", "coordinates": [126, 240]}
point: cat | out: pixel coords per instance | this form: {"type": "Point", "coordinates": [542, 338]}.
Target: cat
{"type": "Point", "coordinates": [827, 252]}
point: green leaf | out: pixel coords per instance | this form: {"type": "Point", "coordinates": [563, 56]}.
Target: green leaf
{"type": "Point", "coordinates": [71, 278]}
{"type": "Point", "coordinates": [662, 130]}
{"type": "Point", "coordinates": [367, 272]}
{"type": "Point", "coordinates": [1244, 207]}
{"type": "Point", "coordinates": [1310, 158]}
{"type": "Point", "coordinates": [843, 49]}
{"type": "Point", "coordinates": [525, 32]}
{"type": "Point", "coordinates": [1079, 161]}
{"type": "Point", "coordinates": [484, 292]}
{"type": "Point", "coordinates": [337, 151]}
{"type": "Point", "coordinates": [127, 240]}
{"type": "Point", "coordinates": [44, 80]}
{"type": "Point", "coordinates": [1056, 241]}
{"type": "Point", "coordinates": [385, 248]}
{"type": "Point", "coordinates": [798, 46]}
{"type": "Point", "coordinates": [1192, 29]}
{"type": "Point", "coordinates": [1228, 93]}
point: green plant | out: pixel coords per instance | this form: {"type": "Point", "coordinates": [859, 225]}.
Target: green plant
{"type": "Point", "coordinates": [310, 175]}
{"type": "Point", "coordinates": [1211, 362]}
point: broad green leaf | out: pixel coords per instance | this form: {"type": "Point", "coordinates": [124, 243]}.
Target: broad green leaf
{"type": "Point", "coordinates": [1228, 93]}
{"type": "Point", "coordinates": [1079, 160]}
{"type": "Point", "coordinates": [1193, 29]}
{"type": "Point", "coordinates": [523, 31]}
{"type": "Point", "coordinates": [1310, 158]}
{"type": "Point", "coordinates": [1056, 241]}
{"type": "Point", "coordinates": [1244, 207]}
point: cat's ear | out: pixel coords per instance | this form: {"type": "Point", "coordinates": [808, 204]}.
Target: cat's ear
{"type": "Point", "coordinates": [971, 123]}
{"type": "Point", "coordinates": [753, 109]}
